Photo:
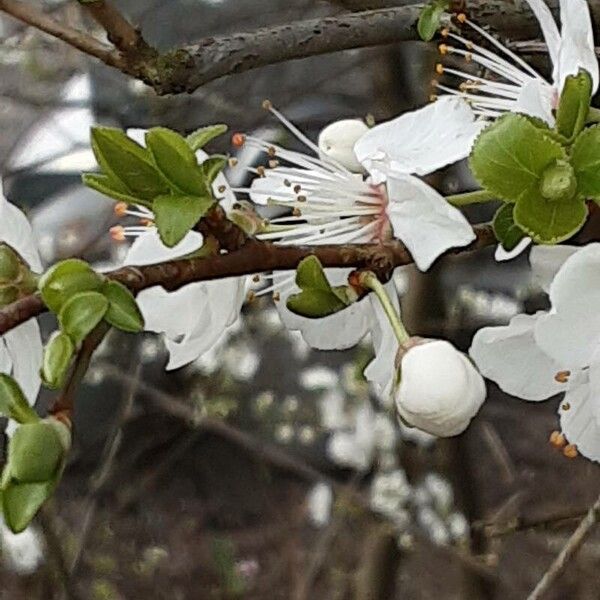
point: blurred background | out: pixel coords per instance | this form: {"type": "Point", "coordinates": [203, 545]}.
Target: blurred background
{"type": "Point", "coordinates": [266, 470]}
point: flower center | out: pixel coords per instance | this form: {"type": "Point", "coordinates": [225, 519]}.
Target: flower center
{"type": "Point", "coordinates": [558, 182]}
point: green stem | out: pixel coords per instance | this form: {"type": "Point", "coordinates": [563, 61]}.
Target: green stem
{"type": "Point", "coordinates": [467, 198]}
{"type": "Point", "coordinates": [369, 280]}
{"type": "Point", "coordinates": [593, 115]}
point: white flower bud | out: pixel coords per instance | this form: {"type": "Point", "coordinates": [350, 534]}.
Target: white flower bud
{"type": "Point", "coordinates": [337, 141]}
{"type": "Point", "coordinates": [440, 389]}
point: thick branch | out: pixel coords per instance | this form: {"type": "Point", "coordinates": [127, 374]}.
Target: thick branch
{"type": "Point", "coordinates": [253, 257]}
{"type": "Point", "coordinates": [27, 13]}
{"type": "Point", "coordinates": [186, 69]}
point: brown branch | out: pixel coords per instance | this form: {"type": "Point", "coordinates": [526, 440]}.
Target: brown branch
{"type": "Point", "coordinates": [29, 14]}
{"type": "Point", "coordinates": [254, 257]}
{"type": "Point", "coordinates": [188, 68]}
{"type": "Point", "coordinates": [567, 553]}
{"type": "Point", "coordinates": [118, 29]}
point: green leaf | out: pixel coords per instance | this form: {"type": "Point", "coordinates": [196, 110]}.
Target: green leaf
{"type": "Point", "coordinates": [126, 163]}
{"type": "Point", "coordinates": [58, 353]}
{"type": "Point", "coordinates": [13, 403]}
{"type": "Point", "coordinates": [123, 311]}
{"type": "Point", "coordinates": [199, 138]}
{"type": "Point", "coordinates": [35, 453]}
{"type": "Point", "coordinates": [176, 161]}
{"type": "Point", "coordinates": [22, 501]}
{"type": "Point", "coordinates": [585, 160]}
{"type": "Point", "coordinates": [10, 264]}
{"type": "Point", "coordinates": [315, 304]}
{"type": "Point", "coordinates": [429, 19]}
{"type": "Point", "coordinates": [317, 298]}
{"type": "Point", "coordinates": [65, 279]}
{"type": "Point", "coordinates": [506, 231]}
{"type": "Point", "coordinates": [549, 222]}
{"type": "Point", "coordinates": [175, 216]}
{"type": "Point", "coordinates": [510, 156]}
{"type": "Point", "coordinates": [212, 166]}
{"type": "Point", "coordinates": [104, 185]}
{"type": "Point", "coordinates": [81, 314]}
{"type": "Point", "coordinates": [310, 275]}
{"type": "Point", "coordinates": [574, 104]}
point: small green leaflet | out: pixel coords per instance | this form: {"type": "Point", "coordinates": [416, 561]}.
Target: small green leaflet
{"type": "Point", "coordinates": [199, 138]}
{"type": "Point", "coordinates": [574, 105]}
{"type": "Point", "coordinates": [510, 156]}
{"type": "Point", "coordinates": [430, 19]}
{"type": "Point", "coordinates": [176, 215]}
{"type": "Point", "coordinates": [506, 231]}
{"type": "Point", "coordinates": [58, 353]}
{"type": "Point", "coordinates": [81, 314]}
{"type": "Point", "coordinates": [13, 403]}
{"type": "Point", "coordinates": [317, 297]}
{"type": "Point", "coordinates": [123, 311]}
{"type": "Point", "coordinates": [585, 159]}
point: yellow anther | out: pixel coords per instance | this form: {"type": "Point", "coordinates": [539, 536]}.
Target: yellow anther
{"type": "Point", "coordinates": [562, 376]}
{"type": "Point", "coordinates": [256, 278]}
{"type": "Point", "coordinates": [267, 104]}
{"type": "Point", "coordinates": [301, 198]}
{"type": "Point", "coordinates": [146, 222]}
{"type": "Point", "coordinates": [566, 406]}
{"type": "Point", "coordinates": [233, 162]}
{"type": "Point", "coordinates": [120, 209]}
{"type": "Point", "coordinates": [271, 151]}
{"type": "Point", "coordinates": [276, 297]}
{"type": "Point", "coordinates": [261, 171]}
{"type": "Point", "coordinates": [468, 57]}
{"type": "Point", "coordinates": [297, 212]}
{"type": "Point", "coordinates": [557, 439]}
{"type": "Point", "coordinates": [250, 296]}
{"type": "Point", "coordinates": [117, 233]}
{"type": "Point", "coordinates": [443, 49]}
{"type": "Point", "coordinates": [222, 189]}
{"type": "Point", "coordinates": [439, 69]}
{"type": "Point", "coordinates": [273, 164]}
{"type": "Point", "coordinates": [461, 18]}
{"type": "Point", "coordinates": [570, 451]}
{"type": "Point", "coordinates": [445, 32]}
{"type": "Point", "coordinates": [433, 97]}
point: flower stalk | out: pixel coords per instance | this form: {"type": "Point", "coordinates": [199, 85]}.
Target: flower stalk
{"type": "Point", "coordinates": [369, 280]}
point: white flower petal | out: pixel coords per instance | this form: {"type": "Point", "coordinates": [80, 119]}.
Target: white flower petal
{"type": "Point", "coordinates": [570, 333]}
{"type": "Point", "coordinates": [339, 331]}
{"type": "Point", "coordinates": [381, 371]}
{"type": "Point", "coordinates": [148, 249]}
{"type": "Point", "coordinates": [537, 99]}
{"type": "Point", "coordinates": [502, 255]}
{"type": "Point", "coordinates": [24, 344]}
{"type": "Point", "coordinates": [270, 186]}
{"type": "Point", "coordinates": [510, 357]}
{"type": "Point", "coordinates": [549, 28]}
{"type": "Point", "coordinates": [337, 141]}
{"type": "Point", "coordinates": [421, 141]}
{"type": "Point", "coordinates": [579, 417]}
{"type": "Point", "coordinates": [577, 49]}
{"type": "Point", "coordinates": [546, 261]}
{"type": "Point", "coordinates": [423, 220]}
{"type": "Point", "coordinates": [15, 230]}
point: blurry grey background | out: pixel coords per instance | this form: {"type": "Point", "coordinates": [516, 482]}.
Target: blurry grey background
{"type": "Point", "coordinates": [159, 503]}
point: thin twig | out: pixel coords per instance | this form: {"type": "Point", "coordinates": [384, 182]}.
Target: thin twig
{"type": "Point", "coordinates": [29, 14]}
{"type": "Point", "coordinates": [569, 550]}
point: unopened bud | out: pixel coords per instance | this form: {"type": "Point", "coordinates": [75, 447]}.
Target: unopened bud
{"type": "Point", "coordinates": [337, 142]}
{"type": "Point", "coordinates": [440, 390]}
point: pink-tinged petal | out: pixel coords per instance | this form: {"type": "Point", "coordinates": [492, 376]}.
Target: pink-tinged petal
{"type": "Point", "coordinates": [579, 416]}
{"type": "Point", "coordinates": [577, 49]}
{"type": "Point", "coordinates": [15, 230]}
{"type": "Point", "coordinates": [546, 261]}
{"type": "Point", "coordinates": [502, 255]}
{"type": "Point", "coordinates": [421, 141]}
{"type": "Point", "coordinates": [537, 99]}
{"type": "Point", "coordinates": [423, 220]}
{"type": "Point", "coordinates": [24, 344]}
{"type": "Point", "coordinates": [148, 249]}
{"type": "Point", "coordinates": [549, 28]}
{"type": "Point", "coordinates": [510, 357]}
{"type": "Point", "coordinates": [570, 333]}
{"type": "Point", "coordinates": [339, 331]}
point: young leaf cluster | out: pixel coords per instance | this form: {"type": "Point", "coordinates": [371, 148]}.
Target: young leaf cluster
{"type": "Point", "coordinates": [544, 175]}
{"type": "Point", "coordinates": [81, 299]}
{"type": "Point", "coordinates": [164, 176]}
{"type": "Point", "coordinates": [35, 458]}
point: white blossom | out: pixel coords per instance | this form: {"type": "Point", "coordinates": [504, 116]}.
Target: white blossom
{"type": "Point", "coordinates": [320, 504]}
{"type": "Point", "coordinates": [21, 348]}
{"type": "Point", "coordinates": [537, 356]}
